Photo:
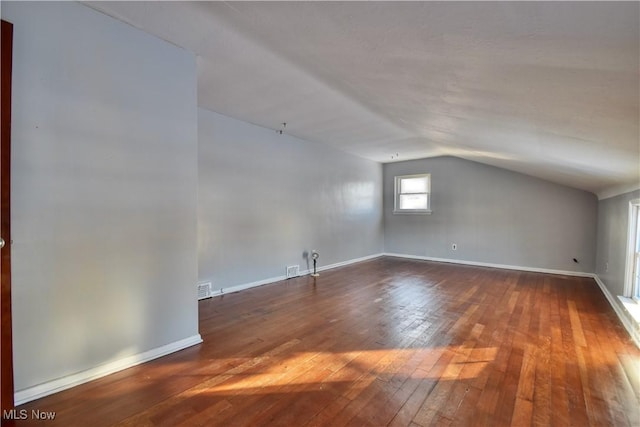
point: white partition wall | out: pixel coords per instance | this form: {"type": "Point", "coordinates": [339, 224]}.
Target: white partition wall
{"type": "Point", "coordinates": [104, 195]}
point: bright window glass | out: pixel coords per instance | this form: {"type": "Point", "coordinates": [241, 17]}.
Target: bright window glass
{"type": "Point", "coordinates": [413, 201]}
{"type": "Point", "coordinates": [412, 194]}
{"type": "Point", "coordinates": [413, 185]}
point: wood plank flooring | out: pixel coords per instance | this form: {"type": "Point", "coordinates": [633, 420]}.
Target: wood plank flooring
{"type": "Point", "coordinates": [384, 342]}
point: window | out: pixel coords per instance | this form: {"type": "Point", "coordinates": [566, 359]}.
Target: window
{"type": "Point", "coordinates": [412, 194]}
{"type": "Point", "coordinates": [632, 282]}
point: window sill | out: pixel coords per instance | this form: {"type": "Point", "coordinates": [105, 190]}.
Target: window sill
{"type": "Point", "coordinates": [632, 307]}
{"type": "Point", "coordinates": [412, 212]}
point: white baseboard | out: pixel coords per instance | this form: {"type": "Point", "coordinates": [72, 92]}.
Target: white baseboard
{"type": "Point", "coordinates": [626, 322]}
{"type": "Point", "coordinates": [250, 285]}
{"type": "Point", "coordinates": [51, 387]}
{"type": "Point", "coordinates": [343, 263]}
{"type": "Point", "coordinates": [492, 265]}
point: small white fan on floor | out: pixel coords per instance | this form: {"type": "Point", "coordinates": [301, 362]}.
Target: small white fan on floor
{"type": "Point", "coordinates": [315, 255]}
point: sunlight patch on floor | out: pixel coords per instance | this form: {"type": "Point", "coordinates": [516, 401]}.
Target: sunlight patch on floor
{"type": "Point", "coordinates": [356, 369]}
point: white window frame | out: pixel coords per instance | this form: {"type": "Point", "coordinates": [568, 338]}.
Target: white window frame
{"type": "Point", "coordinates": [396, 197]}
{"type": "Point", "coordinates": [630, 284]}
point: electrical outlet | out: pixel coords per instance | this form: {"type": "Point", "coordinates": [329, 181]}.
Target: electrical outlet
{"type": "Point", "coordinates": [606, 266]}
{"type": "Point", "coordinates": [454, 247]}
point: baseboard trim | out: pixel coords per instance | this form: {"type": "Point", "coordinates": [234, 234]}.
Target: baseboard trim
{"type": "Point", "coordinates": [238, 288]}
{"type": "Point", "coordinates": [343, 263]}
{"type": "Point", "coordinates": [492, 265]}
{"type": "Point", "coordinates": [60, 384]}
{"type": "Point", "coordinates": [633, 332]}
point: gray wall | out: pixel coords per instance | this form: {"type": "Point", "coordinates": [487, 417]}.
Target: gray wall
{"type": "Point", "coordinates": [613, 226]}
{"type": "Point", "coordinates": [104, 191]}
{"type": "Point", "coordinates": [494, 216]}
{"type": "Point", "coordinates": [264, 198]}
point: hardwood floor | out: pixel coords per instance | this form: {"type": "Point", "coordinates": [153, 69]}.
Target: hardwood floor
{"type": "Point", "coordinates": [384, 342]}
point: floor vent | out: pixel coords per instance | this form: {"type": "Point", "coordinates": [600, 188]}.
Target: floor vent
{"type": "Point", "coordinates": [204, 290]}
{"type": "Point", "coordinates": [293, 271]}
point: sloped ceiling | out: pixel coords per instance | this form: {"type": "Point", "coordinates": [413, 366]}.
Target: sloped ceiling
{"type": "Point", "coordinates": [550, 89]}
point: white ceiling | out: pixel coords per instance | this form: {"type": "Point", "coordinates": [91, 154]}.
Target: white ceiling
{"type": "Point", "coordinates": [550, 89]}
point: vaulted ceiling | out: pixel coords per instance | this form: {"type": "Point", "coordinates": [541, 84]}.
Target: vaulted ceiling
{"type": "Point", "coordinates": [549, 89]}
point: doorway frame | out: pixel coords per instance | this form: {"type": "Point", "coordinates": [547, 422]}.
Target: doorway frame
{"type": "Point", "coordinates": [6, 338]}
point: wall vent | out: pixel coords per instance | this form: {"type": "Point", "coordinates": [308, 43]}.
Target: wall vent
{"type": "Point", "coordinates": [293, 271]}
{"type": "Point", "coordinates": [204, 290]}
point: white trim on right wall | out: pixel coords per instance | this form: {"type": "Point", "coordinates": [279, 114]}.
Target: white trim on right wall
{"type": "Point", "coordinates": [629, 264]}
{"type": "Point", "coordinates": [634, 332]}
